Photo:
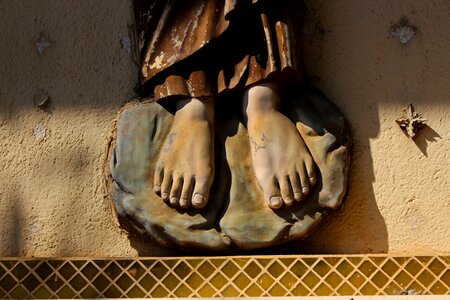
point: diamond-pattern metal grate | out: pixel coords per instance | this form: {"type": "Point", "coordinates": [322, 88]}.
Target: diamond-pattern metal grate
{"type": "Point", "coordinates": [224, 276]}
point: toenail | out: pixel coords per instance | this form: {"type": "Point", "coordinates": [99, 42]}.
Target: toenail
{"type": "Point", "coordinates": [198, 199]}
{"type": "Point", "coordinates": [288, 200]}
{"type": "Point", "coordinates": [312, 180]}
{"type": "Point", "coordinates": [305, 190]}
{"type": "Point", "coordinates": [184, 202]}
{"type": "Point", "coordinates": [275, 201]}
{"type": "Point", "coordinates": [165, 196]}
{"type": "Point", "coordinates": [298, 196]}
{"type": "Point", "coordinates": [173, 200]}
{"type": "Point", "coordinates": [157, 188]}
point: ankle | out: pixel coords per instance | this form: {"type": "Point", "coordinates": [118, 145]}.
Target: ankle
{"type": "Point", "coordinates": [261, 99]}
{"type": "Point", "coordinates": [196, 109]}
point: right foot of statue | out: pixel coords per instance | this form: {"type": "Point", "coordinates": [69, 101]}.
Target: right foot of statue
{"type": "Point", "coordinates": [282, 163]}
{"type": "Point", "coordinates": [185, 168]}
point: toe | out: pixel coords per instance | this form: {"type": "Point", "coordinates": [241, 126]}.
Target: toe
{"type": "Point", "coordinates": [296, 186]}
{"type": "Point", "coordinates": [176, 190]}
{"type": "Point", "coordinates": [285, 188]}
{"type": "Point", "coordinates": [157, 179]}
{"type": "Point", "coordinates": [198, 200]}
{"type": "Point", "coordinates": [201, 192]}
{"type": "Point", "coordinates": [186, 192]}
{"type": "Point", "coordinates": [272, 194]}
{"type": "Point", "coordinates": [184, 203]}
{"type": "Point", "coordinates": [275, 202]}
{"type": "Point", "coordinates": [309, 166]}
{"type": "Point", "coordinates": [165, 186]}
{"type": "Point", "coordinates": [303, 180]}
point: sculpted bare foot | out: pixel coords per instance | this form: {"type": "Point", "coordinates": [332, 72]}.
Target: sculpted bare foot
{"type": "Point", "coordinates": [185, 170]}
{"type": "Point", "coordinates": [282, 163]}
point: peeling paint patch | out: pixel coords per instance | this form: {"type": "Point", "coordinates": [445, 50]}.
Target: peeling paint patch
{"type": "Point", "coordinates": [197, 16]}
{"type": "Point", "coordinates": [42, 43]}
{"type": "Point", "coordinates": [126, 43]}
{"type": "Point", "coordinates": [40, 132]}
{"type": "Point", "coordinates": [403, 31]}
{"type": "Point", "coordinates": [158, 64]}
{"type": "Point", "coordinates": [175, 39]}
{"type": "Point", "coordinates": [36, 226]}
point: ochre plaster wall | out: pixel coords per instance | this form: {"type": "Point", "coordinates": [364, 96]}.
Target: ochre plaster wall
{"type": "Point", "coordinates": [52, 196]}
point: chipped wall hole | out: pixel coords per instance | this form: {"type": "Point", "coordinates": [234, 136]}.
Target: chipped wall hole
{"type": "Point", "coordinates": [403, 31]}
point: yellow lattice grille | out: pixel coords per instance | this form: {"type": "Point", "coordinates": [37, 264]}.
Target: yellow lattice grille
{"type": "Point", "coordinates": [223, 276]}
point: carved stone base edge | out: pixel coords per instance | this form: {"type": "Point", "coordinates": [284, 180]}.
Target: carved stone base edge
{"type": "Point", "coordinates": [236, 219]}
{"type": "Point", "coordinates": [226, 276]}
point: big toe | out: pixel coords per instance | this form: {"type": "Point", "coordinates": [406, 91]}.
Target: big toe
{"type": "Point", "coordinates": [199, 201]}
{"type": "Point", "coordinates": [275, 202]}
{"type": "Point", "coordinates": [285, 187]}
{"type": "Point", "coordinates": [201, 190]}
{"type": "Point", "coordinates": [271, 194]}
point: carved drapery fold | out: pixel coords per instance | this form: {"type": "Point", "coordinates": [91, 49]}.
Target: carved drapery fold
{"type": "Point", "coordinates": [202, 48]}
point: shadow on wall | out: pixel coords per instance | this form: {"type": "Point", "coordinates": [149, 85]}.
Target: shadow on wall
{"type": "Point", "coordinates": [358, 227]}
{"type": "Point", "coordinates": [424, 137]}
{"type": "Point", "coordinates": [73, 53]}
{"type": "Point", "coordinates": [350, 54]}
{"type": "Point", "coordinates": [12, 240]}
{"type": "Point", "coordinates": [45, 218]}
{"type": "Point", "coordinates": [85, 66]}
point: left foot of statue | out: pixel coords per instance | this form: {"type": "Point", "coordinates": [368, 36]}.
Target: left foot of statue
{"type": "Point", "coordinates": [282, 163]}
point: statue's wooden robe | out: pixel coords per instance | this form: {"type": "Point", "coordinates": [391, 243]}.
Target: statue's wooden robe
{"type": "Point", "coordinates": [199, 48]}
